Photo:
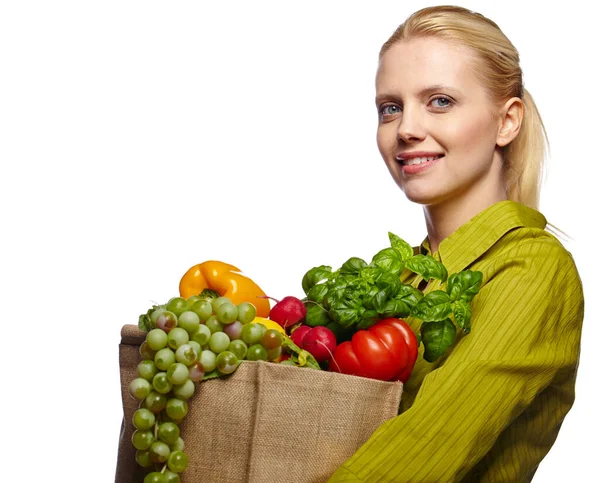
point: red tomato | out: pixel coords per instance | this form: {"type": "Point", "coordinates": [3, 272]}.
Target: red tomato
{"type": "Point", "coordinates": [385, 351]}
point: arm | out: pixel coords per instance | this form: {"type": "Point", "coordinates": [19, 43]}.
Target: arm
{"type": "Point", "coordinates": [525, 339]}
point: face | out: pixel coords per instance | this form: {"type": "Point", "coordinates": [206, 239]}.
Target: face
{"type": "Point", "coordinates": [437, 129]}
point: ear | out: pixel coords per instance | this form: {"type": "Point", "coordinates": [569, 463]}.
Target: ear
{"type": "Point", "coordinates": [511, 117]}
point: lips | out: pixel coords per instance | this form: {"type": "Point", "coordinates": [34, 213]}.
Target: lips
{"type": "Point", "coordinates": [412, 160]}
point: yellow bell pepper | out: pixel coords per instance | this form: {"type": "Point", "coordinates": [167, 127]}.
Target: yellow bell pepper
{"type": "Point", "coordinates": [227, 281]}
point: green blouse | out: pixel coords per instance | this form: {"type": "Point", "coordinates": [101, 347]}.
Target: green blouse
{"type": "Point", "coordinates": [491, 408]}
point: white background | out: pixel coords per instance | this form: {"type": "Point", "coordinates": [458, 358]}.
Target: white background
{"type": "Point", "coordinates": [138, 138]}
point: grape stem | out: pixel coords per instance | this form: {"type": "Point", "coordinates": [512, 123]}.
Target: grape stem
{"type": "Point", "coordinates": [164, 468]}
{"type": "Point", "coordinates": [156, 430]}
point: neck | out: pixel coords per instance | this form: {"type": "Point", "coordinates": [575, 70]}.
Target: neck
{"type": "Point", "coordinates": [443, 219]}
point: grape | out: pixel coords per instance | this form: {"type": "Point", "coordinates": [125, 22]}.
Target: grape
{"type": "Point", "coordinates": [239, 348]}
{"type": "Point", "coordinates": [178, 373]}
{"type": "Point", "coordinates": [202, 335]}
{"type": "Point", "coordinates": [159, 452]}
{"type": "Point", "coordinates": [157, 339]}
{"type": "Point", "coordinates": [177, 408]}
{"type": "Point", "coordinates": [208, 359]}
{"type": "Point", "coordinates": [227, 362]}
{"type": "Point", "coordinates": [273, 354]}
{"type": "Point", "coordinates": [178, 461]}
{"type": "Point", "coordinates": [257, 352]}
{"type": "Point", "coordinates": [142, 439]}
{"type": "Point", "coordinates": [140, 388]}
{"type": "Point", "coordinates": [171, 477]}
{"type": "Point", "coordinates": [177, 305]}
{"type": "Point", "coordinates": [166, 321]}
{"type": "Point", "coordinates": [184, 391]}
{"type": "Point", "coordinates": [196, 372]}
{"type": "Point", "coordinates": [161, 383]}
{"type": "Point", "coordinates": [234, 330]}
{"type": "Point", "coordinates": [192, 300]}
{"type": "Point", "coordinates": [186, 354]}
{"type": "Point", "coordinates": [146, 352]}
{"type": "Point", "coordinates": [156, 402]}
{"type": "Point", "coordinates": [164, 358]}
{"type": "Point", "coordinates": [214, 325]}
{"type": "Point", "coordinates": [146, 370]}
{"type": "Point", "coordinates": [218, 342]}
{"type": "Point", "coordinates": [252, 333]}
{"type": "Point", "coordinates": [178, 446]}
{"type": "Point", "coordinates": [226, 313]}
{"type": "Point", "coordinates": [168, 433]}
{"type": "Point", "coordinates": [154, 315]}
{"type": "Point", "coordinates": [271, 339]}
{"type": "Point", "coordinates": [143, 419]}
{"type": "Point", "coordinates": [203, 309]}
{"type": "Point", "coordinates": [195, 346]}
{"type": "Point", "coordinates": [155, 477]}
{"type": "Point", "coordinates": [216, 303]}
{"type": "Point", "coordinates": [188, 321]}
{"type": "Point", "coordinates": [177, 337]}
{"type": "Point", "coordinates": [246, 312]}
{"type": "Point", "coordinates": [143, 458]}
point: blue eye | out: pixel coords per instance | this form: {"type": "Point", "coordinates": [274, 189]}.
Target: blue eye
{"type": "Point", "coordinates": [389, 110]}
{"type": "Point", "coordinates": [443, 102]}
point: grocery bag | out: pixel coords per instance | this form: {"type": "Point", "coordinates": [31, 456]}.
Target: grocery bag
{"type": "Point", "coordinates": [265, 423]}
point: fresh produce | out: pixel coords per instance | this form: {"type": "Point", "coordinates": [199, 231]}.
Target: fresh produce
{"type": "Point", "coordinates": [227, 281]}
{"type": "Point", "coordinates": [319, 341]}
{"type": "Point", "coordinates": [204, 338]}
{"type": "Point", "coordinates": [288, 311]}
{"type": "Point", "coordinates": [359, 294]}
{"type": "Point", "coordinates": [386, 351]}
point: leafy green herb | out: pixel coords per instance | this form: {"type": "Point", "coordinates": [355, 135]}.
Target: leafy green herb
{"type": "Point", "coordinates": [359, 294]}
{"type": "Point", "coordinates": [144, 321]}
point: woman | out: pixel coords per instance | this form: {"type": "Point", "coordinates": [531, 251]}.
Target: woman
{"type": "Point", "coordinates": [462, 137]}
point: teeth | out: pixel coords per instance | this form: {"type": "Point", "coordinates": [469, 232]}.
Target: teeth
{"type": "Point", "coordinates": [410, 162]}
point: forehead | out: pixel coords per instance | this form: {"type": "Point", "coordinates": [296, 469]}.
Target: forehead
{"type": "Point", "coordinates": [410, 65]}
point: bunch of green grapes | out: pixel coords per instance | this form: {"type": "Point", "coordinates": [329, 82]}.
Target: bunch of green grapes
{"type": "Point", "coordinates": [190, 340]}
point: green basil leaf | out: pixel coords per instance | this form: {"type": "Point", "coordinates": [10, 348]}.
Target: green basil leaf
{"type": "Point", "coordinates": [395, 308]}
{"type": "Point", "coordinates": [464, 285]}
{"type": "Point", "coordinates": [437, 337]}
{"type": "Point", "coordinates": [353, 265]}
{"type": "Point", "coordinates": [314, 276]}
{"type": "Point", "coordinates": [405, 250]}
{"type": "Point", "coordinates": [389, 283]}
{"type": "Point", "coordinates": [346, 317]}
{"type": "Point", "coordinates": [341, 333]}
{"type": "Point", "coordinates": [316, 315]}
{"type": "Point", "coordinates": [433, 307]}
{"type": "Point", "coordinates": [379, 300]}
{"type": "Point", "coordinates": [367, 319]}
{"type": "Point", "coordinates": [428, 267]}
{"type": "Point", "coordinates": [370, 273]}
{"type": "Point", "coordinates": [369, 297]}
{"type": "Point", "coordinates": [389, 259]}
{"type": "Point", "coordinates": [318, 292]}
{"type": "Point", "coordinates": [409, 295]}
{"type": "Point", "coordinates": [462, 314]}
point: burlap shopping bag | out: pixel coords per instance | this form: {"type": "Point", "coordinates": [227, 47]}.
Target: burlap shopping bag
{"type": "Point", "coordinates": [266, 422]}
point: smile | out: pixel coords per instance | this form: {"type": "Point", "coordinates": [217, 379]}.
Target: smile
{"type": "Point", "coordinates": [420, 160]}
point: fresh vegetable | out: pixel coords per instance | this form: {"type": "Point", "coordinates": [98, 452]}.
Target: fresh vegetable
{"type": "Point", "coordinates": [386, 351]}
{"type": "Point", "coordinates": [269, 324]}
{"type": "Point", "coordinates": [359, 294]}
{"type": "Point", "coordinates": [288, 311]}
{"type": "Point", "coordinates": [227, 281]}
{"type": "Point", "coordinates": [319, 341]}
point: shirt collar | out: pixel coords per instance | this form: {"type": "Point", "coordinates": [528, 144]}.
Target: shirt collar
{"type": "Point", "coordinates": [479, 234]}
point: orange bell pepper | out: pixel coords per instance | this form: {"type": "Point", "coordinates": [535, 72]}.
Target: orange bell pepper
{"type": "Point", "coordinates": [227, 281]}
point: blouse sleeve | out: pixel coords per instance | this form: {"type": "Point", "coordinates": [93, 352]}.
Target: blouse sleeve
{"type": "Point", "coordinates": [512, 375]}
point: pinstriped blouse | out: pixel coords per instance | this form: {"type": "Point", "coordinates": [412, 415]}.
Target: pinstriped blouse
{"type": "Point", "coordinates": [490, 409]}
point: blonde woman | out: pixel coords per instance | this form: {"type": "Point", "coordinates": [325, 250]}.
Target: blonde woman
{"type": "Point", "coordinates": [461, 136]}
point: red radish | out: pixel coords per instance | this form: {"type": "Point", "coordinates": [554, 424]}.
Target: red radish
{"type": "Point", "coordinates": [288, 311]}
{"type": "Point", "coordinates": [298, 334]}
{"type": "Point", "coordinates": [319, 341]}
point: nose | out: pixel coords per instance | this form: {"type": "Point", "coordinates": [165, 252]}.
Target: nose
{"type": "Point", "coordinates": [411, 127]}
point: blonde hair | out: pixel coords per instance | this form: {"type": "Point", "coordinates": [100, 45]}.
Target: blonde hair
{"type": "Point", "coordinates": [500, 73]}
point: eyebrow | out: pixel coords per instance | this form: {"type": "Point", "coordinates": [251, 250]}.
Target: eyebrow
{"type": "Point", "coordinates": [427, 90]}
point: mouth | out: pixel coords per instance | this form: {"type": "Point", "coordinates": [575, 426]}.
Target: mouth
{"type": "Point", "coordinates": [418, 160]}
